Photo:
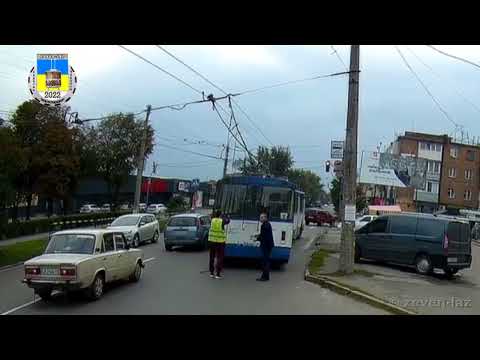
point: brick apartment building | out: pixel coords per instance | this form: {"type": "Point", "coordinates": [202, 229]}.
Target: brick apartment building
{"type": "Point", "coordinates": [453, 173]}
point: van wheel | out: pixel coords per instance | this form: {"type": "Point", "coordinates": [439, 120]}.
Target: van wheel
{"type": "Point", "coordinates": [307, 222]}
{"type": "Point", "coordinates": [155, 237]}
{"type": "Point", "coordinates": [423, 265]}
{"type": "Point", "coordinates": [357, 254]}
{"type": "Point", "coordinates": [168, 247]}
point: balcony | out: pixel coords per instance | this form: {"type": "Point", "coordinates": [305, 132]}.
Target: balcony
{"type": "Point", "coordinates": [431, 176]}
{"type": "Point", "coordinates": [426, 196]}
{"type": "Point", "coordinates": [430, 154]}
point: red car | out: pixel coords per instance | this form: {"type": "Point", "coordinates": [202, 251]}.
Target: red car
{"type": "Point", "coordinates": [319, 217]}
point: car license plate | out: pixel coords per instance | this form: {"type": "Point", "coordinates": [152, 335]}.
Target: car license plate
{"type": "Point", "coordinates": [49, 271]}
{"type": "Point", "coordinates": [452, 259]}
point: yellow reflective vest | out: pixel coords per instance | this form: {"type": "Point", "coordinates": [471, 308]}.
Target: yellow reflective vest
{"type": "Point", "coordinates": [216, 233]}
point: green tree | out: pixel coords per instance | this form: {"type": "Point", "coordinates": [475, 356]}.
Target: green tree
{"type": "Point", "coordinates": [117, 143]}
{"type": "Point", "coordinates": [335, 193]}
{"type": "Point", "coordinates": [12, 164]}
{"type": "Point", "coordinates": [58, 161]}
{"type": "Point", "coordinates": [276, 161]}
{"type": "Point", "coordinates": [309, 182]}
{"type": "Point", "coordinates": [34, 125]}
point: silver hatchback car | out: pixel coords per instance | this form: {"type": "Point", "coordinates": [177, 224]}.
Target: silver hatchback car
{"type": "Point", "coordinates": [187, 230]}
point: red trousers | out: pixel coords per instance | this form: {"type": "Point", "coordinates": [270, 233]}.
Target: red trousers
{"type": "Point", "coordinates": [217, 251]}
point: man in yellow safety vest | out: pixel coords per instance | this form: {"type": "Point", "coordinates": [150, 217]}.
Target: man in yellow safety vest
{"type": "Point", "coordinates": [216, 239]}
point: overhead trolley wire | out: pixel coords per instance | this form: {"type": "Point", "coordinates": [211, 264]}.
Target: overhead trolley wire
{"type": "Point", "coordinates": [444, 112]}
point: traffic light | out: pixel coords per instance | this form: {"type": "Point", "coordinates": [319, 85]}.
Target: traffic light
{"type": "Point", "coordinates": [327, 166]}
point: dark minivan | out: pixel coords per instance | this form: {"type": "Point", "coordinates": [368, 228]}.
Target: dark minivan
{"type": "Point", "coordinates": [422, 240]}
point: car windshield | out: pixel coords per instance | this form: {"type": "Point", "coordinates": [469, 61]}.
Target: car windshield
{"type": "Point", "coordinates": [126, 221]}
{"type": "Point", "coordinates": [71, 244]}
{"type": "Point", "coordinates": [183, 221]}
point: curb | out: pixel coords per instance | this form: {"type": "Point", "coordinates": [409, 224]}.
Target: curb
{"type": "Point", "coordinates": [346, 291]}
{"type": "Point", "coordinates": [11, 266]}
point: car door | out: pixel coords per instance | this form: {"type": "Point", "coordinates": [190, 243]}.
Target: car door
{"type": "Point", "coordinates": [153, 225]}
{"type": "Point", "coordinates": [109, 258]}
{"type": "Point", "coordinates": [376, 239]}
{"type": "Point", "coordinates": [402, 238]}
{"type": "Point", "coordinates": [144, 229]}
{"type": "Point", "coordinates": [122, 256]}
{"type": "Point", "coordinates": [205, 226]}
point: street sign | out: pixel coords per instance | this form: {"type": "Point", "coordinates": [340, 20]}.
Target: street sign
{"type": "Point", "coordinates": [336, 150]}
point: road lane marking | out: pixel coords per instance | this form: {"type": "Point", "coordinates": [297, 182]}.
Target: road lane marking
{"type": "Point", "coordinates": [306, 247]}
{"type": "Point", "coordinates": [21, 307]}
{"type": "Point", "coordinates": [11, 268]}
{"type": "Point", "coordinates": [147, 260]}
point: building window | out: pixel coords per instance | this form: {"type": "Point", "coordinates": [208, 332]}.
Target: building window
{"type": "Point", "coordinates": [438, 148]}
{"type": "Point", "coordinates": [454, 152]}
{"type": "Point", "coordinates": [467, 195]}
{"type": "Point", "coordinates": [468, 174]}
{"type": "Point", "coordinates": [451, 193]}
{"type": "Point", "coordinates": [452, 172]}
{"type": "Point", "coordinates": [432, 187]}
{"type": "Point", "coordinates": [423, 146]}
{"type": "Point", "coordinates": [437, 168]}
{"type": "Point", "coordinates": [470, 155]}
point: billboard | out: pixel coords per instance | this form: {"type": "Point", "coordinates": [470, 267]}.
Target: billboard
{"type": "Point", "coordinates": [393, 170]}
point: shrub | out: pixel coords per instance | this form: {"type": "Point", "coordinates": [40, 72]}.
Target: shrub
{"type": "Point", "coordinates": [22, 228]}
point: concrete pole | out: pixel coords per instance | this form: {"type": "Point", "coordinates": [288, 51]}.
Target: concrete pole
{"type": "Point", "coordinates": [350, 164]}
{"type": "Point", "coordinates": [141, 163]}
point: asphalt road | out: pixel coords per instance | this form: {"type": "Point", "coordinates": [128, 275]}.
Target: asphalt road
{"type": "Point", "coordinates": [178, 283]}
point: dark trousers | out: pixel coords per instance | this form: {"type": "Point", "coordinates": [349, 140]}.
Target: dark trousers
{"type": "Point", "coordinates": [217, 251]}
{"type": "Point", "coordinates": [266, 252]}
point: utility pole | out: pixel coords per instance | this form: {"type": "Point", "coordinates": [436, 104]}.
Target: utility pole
{"type": "Point", "coordinates": [225, 164]}
{"type": "Point", "coordinates": [141, 161]}
{"type": "Point", "coordinates": [350, 166]}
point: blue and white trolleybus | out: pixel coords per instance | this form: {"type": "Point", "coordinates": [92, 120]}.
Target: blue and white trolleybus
{"type": "Point", "coordinates": [243, 198]}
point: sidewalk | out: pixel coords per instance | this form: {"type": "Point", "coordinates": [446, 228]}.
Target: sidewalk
{"type": "Point", "coordinates": [403, 287]}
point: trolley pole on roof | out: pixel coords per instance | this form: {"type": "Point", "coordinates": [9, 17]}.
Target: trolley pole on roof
{"type": "Point", "coordinates": [141, 163]}
{"type": "Point", "coordinates": [347, 245]}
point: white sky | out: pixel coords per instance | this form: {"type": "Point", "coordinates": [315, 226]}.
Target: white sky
{"type": "Point", "coordinates": [311, 113]}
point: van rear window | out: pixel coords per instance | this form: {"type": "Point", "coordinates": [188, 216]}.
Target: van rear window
{"type": "Point", "coordinates": [458, 232]}
{"type": "Point", "coordinates": [430, 227]}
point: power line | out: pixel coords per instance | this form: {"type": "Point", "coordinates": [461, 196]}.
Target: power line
{"type": "Point", "coordinates": [191, 152]}
{"type": "Point", "coordinates": [426, 88]}
{"type": "Point", "coordinates": [453, 56]}
{"type": "Point", "coordinates": [161, 69]}
{"type": "Point", "coordinates": [291, 82]}
{"type": "Point", "coordinates": [339, 57]}
{"type": "Point", "coordinates": [440, 78]}
{"type": "Point", "coordinates": [216, 87]}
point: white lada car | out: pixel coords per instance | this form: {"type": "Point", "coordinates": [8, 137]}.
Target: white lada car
{"type": "Point", "coordinates": [83, 260]}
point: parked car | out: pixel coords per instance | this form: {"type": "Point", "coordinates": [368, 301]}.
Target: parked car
{"type": "Point", "coordinates": [319, 217]}
{"type": "Point", "coordinates": [187, 230]}
{"type": "Point", "coordinates": [156, 209]}
{"type": "Point", "coordinates": [106, 208]}
{"type": "Point", "coordinates": [89, 208]}
{"type": "Point", "coordinates": [124, 207]}
{"type": "Point", "coordinates": [360, 222]}
{"type": "Point", "coordinates": [83, 260]}
{"type": "Point", "coordinates": [137, 228]}
{"type": "Point", "coordinates": [424, 241]}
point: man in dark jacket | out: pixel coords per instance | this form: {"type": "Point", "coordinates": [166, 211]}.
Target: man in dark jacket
{"type": "Point", "coordinates": [266, 245]}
